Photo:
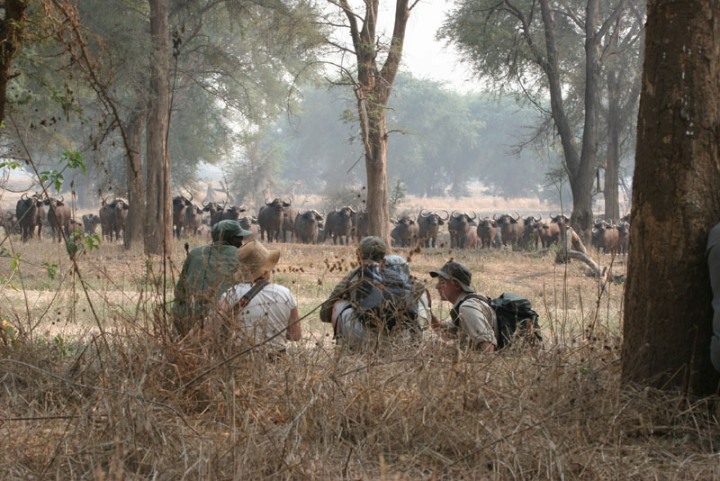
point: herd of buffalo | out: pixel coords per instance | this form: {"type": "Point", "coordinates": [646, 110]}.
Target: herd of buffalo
{"type": "Point", "coordinates": [278, 221]}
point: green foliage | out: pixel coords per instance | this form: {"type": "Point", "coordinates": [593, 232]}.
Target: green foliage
{"type": "Point", "coordinates": [51, 269]}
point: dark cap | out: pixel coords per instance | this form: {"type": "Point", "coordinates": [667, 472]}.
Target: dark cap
{"type": "Point", "coordinates": [456, 272]}
{"type": "Point", "coordinates": [372, 248]}
{"type": "Point", "coordinates": [227, 229]}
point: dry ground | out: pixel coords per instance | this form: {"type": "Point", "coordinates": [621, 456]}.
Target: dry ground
{"type": "Point", "coordinates": [93, 387]}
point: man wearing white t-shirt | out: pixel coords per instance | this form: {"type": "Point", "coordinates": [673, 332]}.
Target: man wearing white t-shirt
{"type": "Point", "coordinates": [262, 314]}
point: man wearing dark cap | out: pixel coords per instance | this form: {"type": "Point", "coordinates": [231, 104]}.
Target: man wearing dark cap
{"type": "Point", "coordinates": [344, 304]}
{"type": "Point", "coordinates": [472, 321]}
{"type": "Point", "coordinates": [207, 273]}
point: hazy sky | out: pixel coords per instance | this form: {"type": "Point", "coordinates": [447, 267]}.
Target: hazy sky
{"type": "Point", "coordinates": [424, 56]}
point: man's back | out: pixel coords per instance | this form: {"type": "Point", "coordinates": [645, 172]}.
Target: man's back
{"type": "Point", "coordinates": [207, 273]}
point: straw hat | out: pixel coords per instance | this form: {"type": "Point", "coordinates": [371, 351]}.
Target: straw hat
{"type": "Point", "coordinates": [254, 261]}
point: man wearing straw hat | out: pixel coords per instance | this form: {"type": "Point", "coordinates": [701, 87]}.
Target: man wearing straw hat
{"type": "Point", "coordinates": [259, 313]}
{"type": "Point", "coordinates": [207, 272]}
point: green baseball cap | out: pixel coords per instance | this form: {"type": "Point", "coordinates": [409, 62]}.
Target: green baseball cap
{"type": "Point", "coordinates": [373, 248]}
{"type": "Point", "coordinates": [227, 229]}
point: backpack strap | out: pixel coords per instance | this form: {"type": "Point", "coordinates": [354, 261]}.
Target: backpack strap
{"type": "Point", "coordinates": [455, 311]}
{"type": "Point", "coordinates": [254, 290]}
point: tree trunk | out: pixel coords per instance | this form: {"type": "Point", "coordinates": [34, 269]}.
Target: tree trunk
{"type": "Point", "coordinates": [158, 214]}
{"type": "Point", "coordinates": [378, 208]}
{"type": "Point", "coordinates": [11, 29]}
{"type": "Point", "coordinates": [676, 200]}
{"type": "Point", "coordinates": [135, 182]}
{"type": "Point", "coordinates": [372, 92]}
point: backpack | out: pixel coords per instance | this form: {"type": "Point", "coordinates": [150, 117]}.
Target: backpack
{"type": "Point", "coordinates": [515, 318]}
{"type": "Point", "coordinates": [384, 299]}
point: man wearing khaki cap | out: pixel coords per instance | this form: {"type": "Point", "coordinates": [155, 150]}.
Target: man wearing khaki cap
{"type": "Point", "coordinates": [472, 321]}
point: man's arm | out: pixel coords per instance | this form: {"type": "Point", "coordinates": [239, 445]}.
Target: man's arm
{"type": "Point", "coordinates": [341, 291]}
{"type": "Point", "coordinates": [294, 332]}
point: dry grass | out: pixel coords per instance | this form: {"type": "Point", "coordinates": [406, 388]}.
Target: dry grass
{"type": "Point", "coordinates": [94, 388]}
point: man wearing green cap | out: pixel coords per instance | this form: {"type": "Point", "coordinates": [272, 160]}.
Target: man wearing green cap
{"type": "Point", "coordinates": [351, 307]}
{"type": "Point", "coordinates": [207, 273]}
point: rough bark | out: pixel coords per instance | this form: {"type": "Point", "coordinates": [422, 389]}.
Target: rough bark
{"type": "Point", "coordinates": [135, 182]}
{"type": "Point", "coordinates": [372, 91]}
{"type": "Point", "coordinates": [11, 29]}
{"type": "Point", "coordinates": [676, 200]}
{"type": "Point", "coordinates": [158, 213]}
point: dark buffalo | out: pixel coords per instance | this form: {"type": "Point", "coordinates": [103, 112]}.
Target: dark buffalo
{"type": "Point", "coordinates": [459, 225]}
{"type": "Point", "coordinates": [429, 225]}
{"type": "Point", "coordinates": [249, 223]}
{"type": "Point", "coordinates": [105, 216]}
{"type": "Point", "coordinates": [30, 214]}
{"type": "Point", "coordinates": [360, 227]}
{"type": "Point", "coordinates": [232, 213]}
{"type": "Point", "coordinates": [339, 224]}
{"type": "Point", "coordinates": [179, 204]}
{"type": "Point", "coordinates": [118, 216]}
{"type": "Point", "coordinates": [193, 219]}
{"type": "Point", "coordinates": [307, 226]}
{"type": "Point", "coordinates": [8, 220]}
{"type": "Point", "coordinates": [90, 223]}
{"type": "Point", "coordinates": [405, 232]}
{"type": "Point", "coordinates": [215, 210]}
{"type": "Point", "coordinates": [511, 229]}
{"type": "Point", "coordinates": [531, 232]}
{"type": "Point", "coordinates": [289, 216]}
{"type": "Point", "coordinates": [624, 230]}
{"type": "Point", "coordinates": [271, 218]}
{"type": "Point", "coordinates": [58, 217]}
{"type": "Point", "coordinates": [487, 232]}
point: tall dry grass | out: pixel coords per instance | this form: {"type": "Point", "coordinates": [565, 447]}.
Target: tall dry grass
{"type": "Point", "coordinates": [94, 386]}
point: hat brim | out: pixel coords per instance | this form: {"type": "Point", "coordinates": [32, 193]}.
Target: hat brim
{"type": "Point", "coordinates": [244, 233]}
{"type": "Point", "coordinates": [248, 273]}
{"type": "Point", "coordinates": [447, 277]}
{"type": "Point", "coordinates": [442, 274]}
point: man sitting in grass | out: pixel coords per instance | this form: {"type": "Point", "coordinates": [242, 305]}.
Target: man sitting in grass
{"type": "Point", "coordinates": [207, 273]}
{"type": "Point", "coordinates": [373, 301]}
{"type": "Point", "coordinates": [472, 321]}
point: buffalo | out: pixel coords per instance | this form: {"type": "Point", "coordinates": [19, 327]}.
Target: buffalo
{"type": "Point", "coordinates": [429, 224]}
{"type": "Point", "coordinates": [90, 223]}
{"type": "Point", "coordinates": [179, 204]}
{"type": "Point", "coordinates": [271, 218]}
{"type": "Point", "coordinates": [531, 232]}
{"type": "Point", "coordinates": [58, 217]}
{"type": "Point", "coordinates": [215, 210]}
{"type": "Point", "coordinates": [511, 230]}
{"type": "Point", "coordinates": [487, 232]}
{"type": "Point", "coordinates": [289, 216]}
{"type": "Point", "coordinates": [307, 226]}
{"type": "Point", "coordinates": [339, 224]}
{"type": "Point", "coordinates": [549, 232]}
{"type": "Point", "coordinates": [460, 225]}
{"type": "Point", "coordinates": [405, 232]}
{"type": "Point", "coordinates": [606, 237]}
{"type": "Point", "coordinates": [118, 216]}
{"type": "Point", "coordinates": [360, 225]}
{"type": "Point", "coordinates": [30, 214]}
{"type": "Point", "coordinates": [249, 223]}
{"type": "Point", "coordinates": [105, 214]}
{"type": "Point", "coordinates": [193, 219]}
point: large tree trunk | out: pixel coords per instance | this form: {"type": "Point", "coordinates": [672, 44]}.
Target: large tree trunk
{"type": "Point", "coordinates": [378, 208]}
{"type": "Point", "coordinates": [11, 29]}
{"type": "Point", "coordinates": [135, 182]}
{"type": "Point", "coordinates": [373, 91]}
{"type": "Point", "coordinates": [158, 213]}
{"type": "Point", "coordinates": [668, 315]}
